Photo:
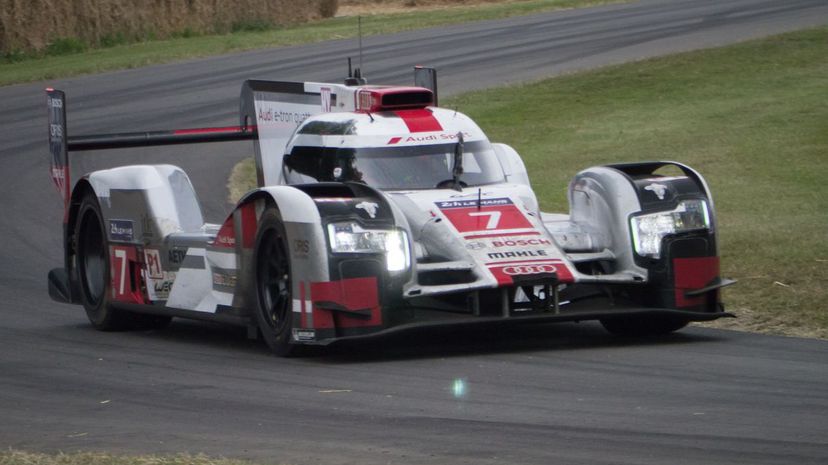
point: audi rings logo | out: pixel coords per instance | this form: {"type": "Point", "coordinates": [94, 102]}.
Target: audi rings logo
{"type": "Point", "coordinates": [528, 269]}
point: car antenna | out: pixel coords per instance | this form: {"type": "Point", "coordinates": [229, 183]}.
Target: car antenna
{"type": "Point", "coordinates": [355, 75]}
{"type": "Point", "coordinates": [359, 33]}
{"type": "Point", "coordinates": [457, 169]}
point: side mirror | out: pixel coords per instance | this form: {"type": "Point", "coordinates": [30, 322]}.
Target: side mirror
{"type": "Point", "coordinates": [513, 167]}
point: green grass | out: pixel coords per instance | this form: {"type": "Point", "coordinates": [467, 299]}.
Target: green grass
{"type": "Point", "coordinates": [68, 57]}
{"type": "Point", "coordinates": [752, 117]}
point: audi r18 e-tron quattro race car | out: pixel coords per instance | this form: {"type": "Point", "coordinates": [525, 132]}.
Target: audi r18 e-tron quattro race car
{"type": "Point", "coordinates": [376, 211]}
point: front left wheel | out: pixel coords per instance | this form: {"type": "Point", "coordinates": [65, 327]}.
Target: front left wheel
{"type": "Point", "coordinates": [274, 312]}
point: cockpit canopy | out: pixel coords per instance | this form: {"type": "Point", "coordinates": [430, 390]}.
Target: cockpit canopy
{"type": "Point", "coordinates": [392, 150]}
{"type": "Point", "coordinates": [393, 167]}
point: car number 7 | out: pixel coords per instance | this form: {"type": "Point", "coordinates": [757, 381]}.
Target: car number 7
{"type": "Point", "coordinates": [494, 218]}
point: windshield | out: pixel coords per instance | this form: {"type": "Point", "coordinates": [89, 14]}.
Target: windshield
{"type": "Point", "coordinates": [401, 167]}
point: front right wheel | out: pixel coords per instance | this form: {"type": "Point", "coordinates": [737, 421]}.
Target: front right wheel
{"type": "Point", "coordinates": [274, 312]}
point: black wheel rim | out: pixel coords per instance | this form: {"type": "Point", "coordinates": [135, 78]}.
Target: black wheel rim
{"type": "Point", "coordinates": [93, 258]}
{"type": "Point", "coordinates": [274, 281]}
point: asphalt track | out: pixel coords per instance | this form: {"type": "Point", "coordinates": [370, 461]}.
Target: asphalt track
{"type": "Point", "coordinates": [552, 394]}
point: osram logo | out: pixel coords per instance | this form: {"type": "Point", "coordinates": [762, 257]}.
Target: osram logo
{"type": "Point", "coordinates": [529, 269]}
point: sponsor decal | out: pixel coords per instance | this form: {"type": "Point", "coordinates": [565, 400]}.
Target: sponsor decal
{"type": "Point", "coordinates": [475, 245]}
{"type": "Point", "coordinates": [274, 115]}
{"type": "Point", "coordinates": [153, 261]}
{"type": "Point", "coordinates": [658, 189]}
{"type": "Point", "coordinates": [226, 236]}
{"type": "Point", "coordinates": [446, 204]}
{"type": "Point", "coordinates": [325, 93]}
{"type": "Point", "coordinates": [520, 242]}
{"type": "Point", "coordinates": [121, 230]}
{"type": "Point", "coordinates": [159, 289]}
{"type": "Point", "coordinates": [369, 207]}
{"type": "Point", "coordinates": [225, 241]}
{"type": "Point", "coordinates": [518, 254]}
{"type": "Point", "coordinates": [56, 131]}
{"type": "Point", "coordinates": [176, 255]}
{"type": "Point", "coordinates": [301, 247]}
{"type": "Point", "coordinates": [443, 137]}
{"type": "Point", "coordinates": [503, 272]}
{"type": "Point", "coordinates": [55, 102]}
{"type": "Point", "coordinates": [162, 289]}
{"type": "Point", "coordinates": [146, 227]}
{"type": "Point", "coordinates": [301, 335]}
{"type": "Point", "coordinates": [225, 280]}
{"type": "Point", "coordinates": [514, 270]}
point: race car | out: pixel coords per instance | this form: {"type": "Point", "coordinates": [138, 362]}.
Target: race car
{"type": "Point", "coordinates": [378, 211]}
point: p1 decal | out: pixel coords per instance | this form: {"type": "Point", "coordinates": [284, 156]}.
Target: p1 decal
{"type": "Point", "coordinates": [490, 215]}
{"type": "Point", "coordinates": [153, 260]}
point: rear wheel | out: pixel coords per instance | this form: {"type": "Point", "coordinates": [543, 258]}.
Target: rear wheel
{"type": "Point", "coordinates": [274, 312]}
{"type": "Point", "coordinates": [642, 326]}
{"type": "Point", "coordinates": [94, 275]}
{"type": "Point", "coordinates": [93, 268]}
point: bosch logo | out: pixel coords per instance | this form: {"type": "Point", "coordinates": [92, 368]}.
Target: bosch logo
{"type": "Point", "coordinates": [529, 269]}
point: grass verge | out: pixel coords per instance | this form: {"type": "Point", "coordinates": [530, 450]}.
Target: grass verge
{"type": "Point", "coordinates": [751, 118]}
{"type": "Point", "coordinates": [21, 68]}
{"type": "Point", "coordinates": [15, 457]}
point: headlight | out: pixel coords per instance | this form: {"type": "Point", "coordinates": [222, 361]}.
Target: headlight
{"type": "Point", "coordinates": [350, 237]}
{"type": "Point", "coordinates": [648, 230]}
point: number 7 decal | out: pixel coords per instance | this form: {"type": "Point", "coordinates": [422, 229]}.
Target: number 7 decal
{"type": "Point", "coordinates": [120, 254]}
{"type": "Point", "coordinates": [494, 218]}
{"type": "Point", "coordinates": [121, 261]}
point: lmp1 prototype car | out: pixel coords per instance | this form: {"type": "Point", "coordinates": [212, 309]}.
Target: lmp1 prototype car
{"type": "Point", "coordinates": [377, 211]}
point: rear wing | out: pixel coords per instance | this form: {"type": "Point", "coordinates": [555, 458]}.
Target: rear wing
{"type": "Point", "coordinates": [270, 112]}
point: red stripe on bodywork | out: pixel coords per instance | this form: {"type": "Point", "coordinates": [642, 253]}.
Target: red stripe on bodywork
{"type": "Point", "coordinates": [248, 217]}
{"type": "Point", "coordinates": [353, 294]}
{"type": "Point", "coordinates": [419, 120]}
{"type": "Point", "coordinates": [482, 236]}
{"type": "Point", "coordinates": [303, 318]}
{"type": "Point", "coordinates": [229, 129]}
{"type": "Point", "coordinates": [693, 273]}
{"type": "Point", "coordinates": [226, 236]}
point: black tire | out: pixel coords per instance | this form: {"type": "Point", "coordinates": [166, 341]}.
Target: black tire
{"type": "Point", "coordinates": [643, 326]}
{"type": "Point", "coordinates": [93, 268]}
{"type": "Point", "coordinates": [274, 312]}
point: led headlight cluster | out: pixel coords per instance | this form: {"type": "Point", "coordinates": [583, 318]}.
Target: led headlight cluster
{"type": "Point", "coordinates": [350, 237]}
{"type": "Point", "coordinates": [648, 230]}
